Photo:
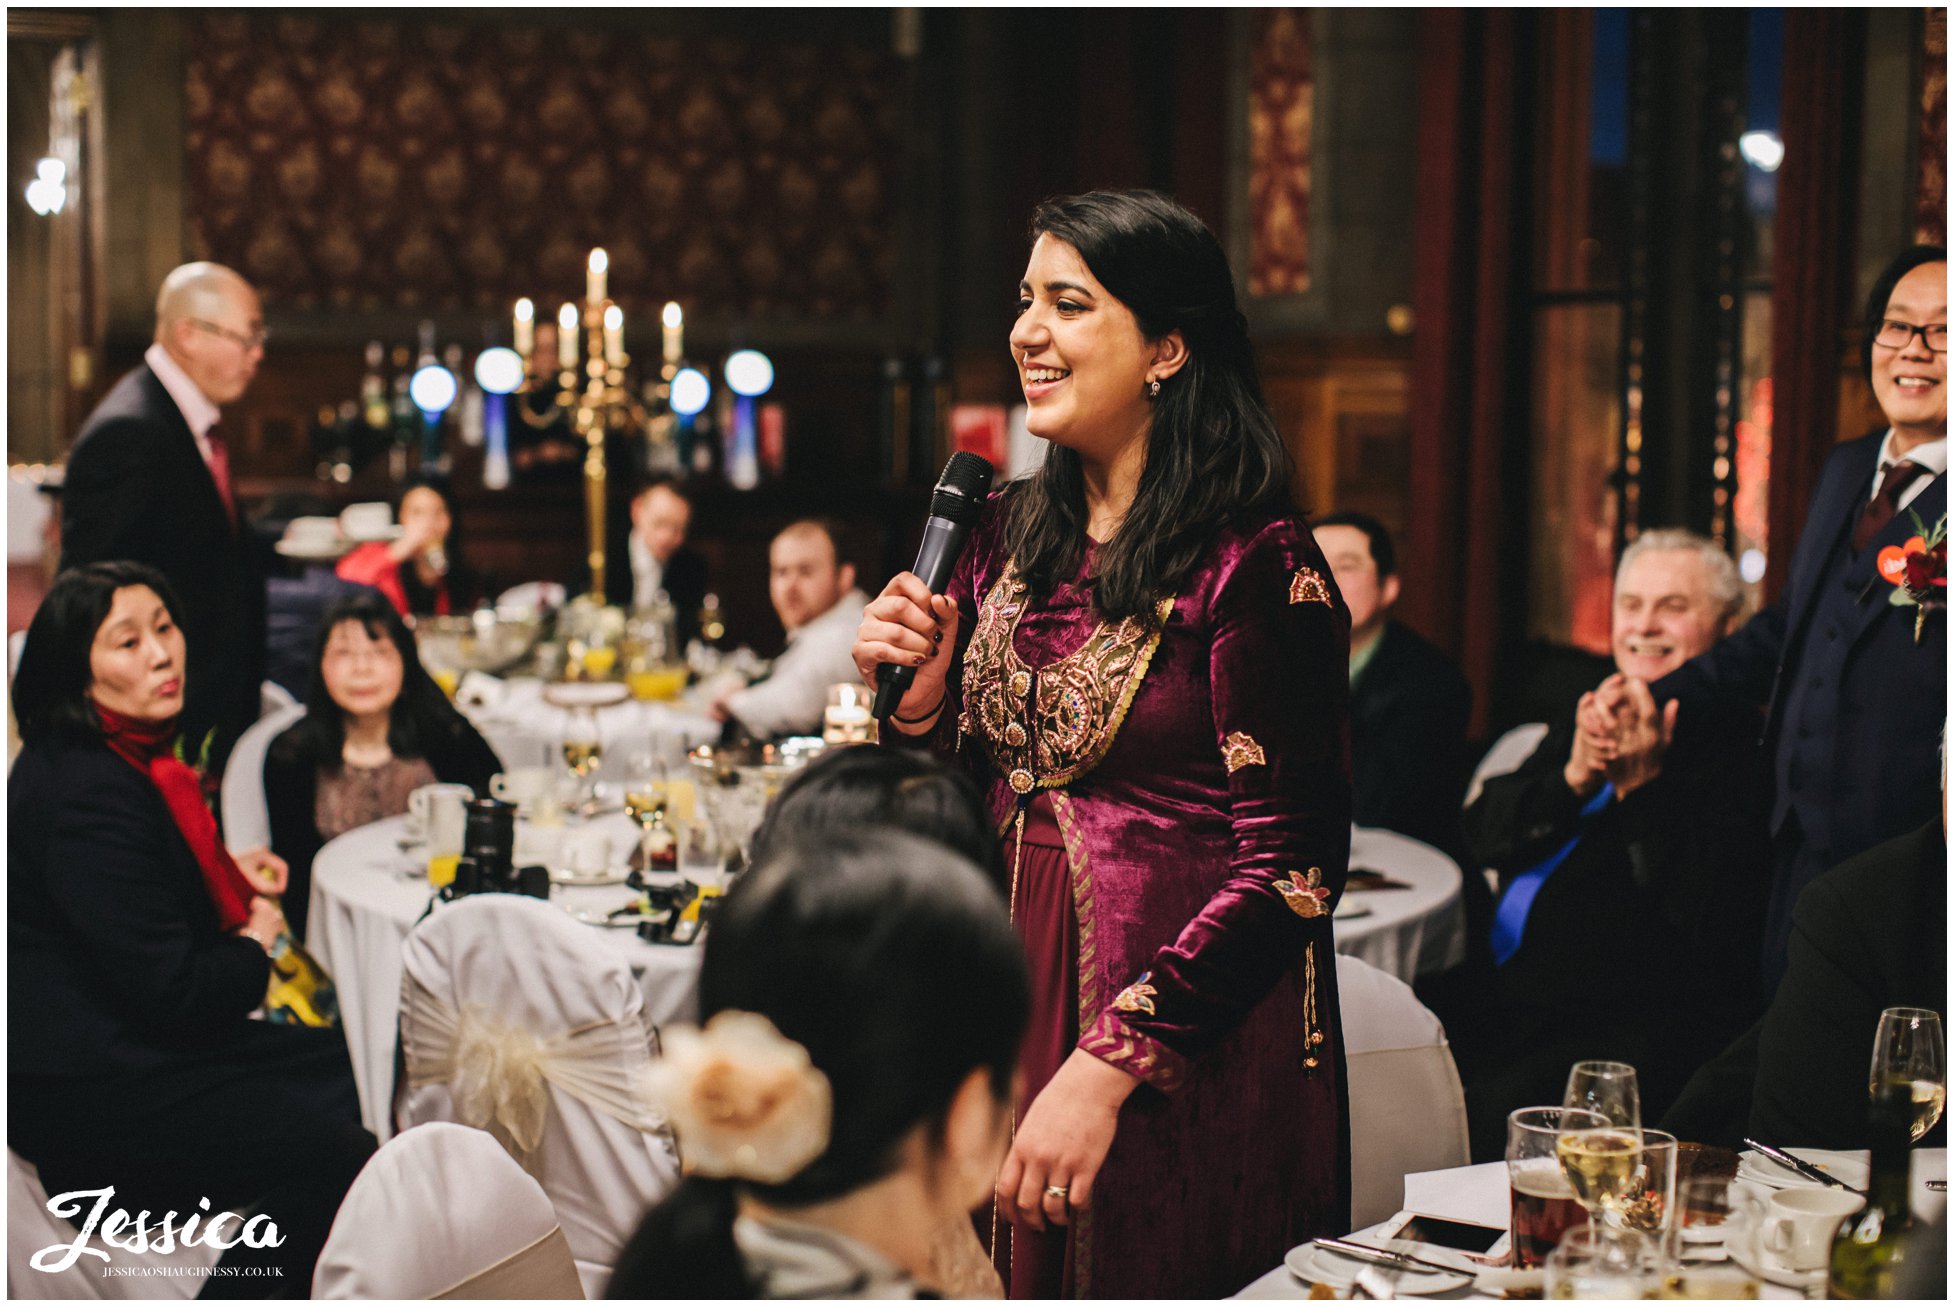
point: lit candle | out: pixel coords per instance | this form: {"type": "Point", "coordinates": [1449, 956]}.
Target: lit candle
{"type": "Point", "coordinates": [566, 337]}
{"type": "Point", "coordinates": [674, 318]}
{"type": "Point", "coordinates": [525, 328]}
{"type": "Point", "coordinates": [594, 283]}
{"type": "Point", "coordinates": [614, 336]}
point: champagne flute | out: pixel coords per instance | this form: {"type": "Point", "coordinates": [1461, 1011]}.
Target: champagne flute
{"type": "Point", "coordinates": [583, 747]}
{"type": "Point", "coordinates": [1910, 1050]}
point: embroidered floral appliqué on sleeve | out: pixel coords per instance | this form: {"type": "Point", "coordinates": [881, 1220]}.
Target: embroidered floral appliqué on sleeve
{"type": "Point", "coordinates": [1308, 587]}
{"type": "Point", "coordinates": [1138, 996]}
{"type": "Point", "coordinates": [1239, 750]}
{"type": "Point", "coordinates": [1305, 894]}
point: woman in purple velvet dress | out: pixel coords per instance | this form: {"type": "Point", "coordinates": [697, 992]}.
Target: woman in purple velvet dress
{"type": "Point", "coordinates": [1143, 659]}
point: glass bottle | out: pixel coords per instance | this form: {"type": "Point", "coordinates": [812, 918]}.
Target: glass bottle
{"type": "Point", "coordinates": [1869, 1250]}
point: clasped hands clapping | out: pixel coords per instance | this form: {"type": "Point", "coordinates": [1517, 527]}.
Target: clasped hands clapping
{"type": "Point", "coordinates": [1621, 736]}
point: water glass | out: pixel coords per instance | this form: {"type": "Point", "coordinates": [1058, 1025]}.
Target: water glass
{"type": "Point", "coordinates": [1713, 1215]}
{"type": "Point", "coordinates": [1597, 1263]}
{"type": "Point", "coordinates": [1910, 1049]}
{"type": "Point", "coordinates": [1646, 1203]}
{"type": "Point", "coordinates": [702, 857]}
{"type": "Point", "coordinates": [1544, 1206]}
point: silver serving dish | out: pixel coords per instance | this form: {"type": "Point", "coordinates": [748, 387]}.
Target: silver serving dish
{"type": "Point", "coordinates": [476, 644]}
{"type": "Point", "coordinates": [737, 782]}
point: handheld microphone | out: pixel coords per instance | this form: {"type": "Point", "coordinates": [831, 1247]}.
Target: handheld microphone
{"type": "Point", "coordinates": [954, 508]}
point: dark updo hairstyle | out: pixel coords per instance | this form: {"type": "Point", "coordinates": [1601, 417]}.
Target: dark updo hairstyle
{"type": "Point", "coordinates": [876, 785]}
{"type": "Point", "coordinates": [51, 688]}
{"type": "Point", "coordinates": [1883, 285]}
{"type": "Point", "coordinates": [1213, 452]}
{"type": "Point", "coordinates": [892, 961]}
{"type": "Point", "coordinates": [421, 715]}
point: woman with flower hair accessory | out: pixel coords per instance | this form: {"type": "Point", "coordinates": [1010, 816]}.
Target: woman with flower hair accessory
{"type": "Point", "coordinates": [831, 1120]}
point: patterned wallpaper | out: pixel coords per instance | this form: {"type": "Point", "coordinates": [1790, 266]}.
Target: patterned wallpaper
{"type": "Point", "coordinates": [1930, 214]}
{"type": "Point", "coordinates": [1280, 117]}
{"type": "Point", "coordinates": [426, 165]}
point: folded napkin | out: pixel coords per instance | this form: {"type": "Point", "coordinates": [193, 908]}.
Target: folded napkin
{"type": "Point", "coordinates": [1477, 1195]}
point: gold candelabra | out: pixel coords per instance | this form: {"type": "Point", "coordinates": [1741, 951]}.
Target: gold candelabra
{"type": "Point", "coordinates": [596, 397]}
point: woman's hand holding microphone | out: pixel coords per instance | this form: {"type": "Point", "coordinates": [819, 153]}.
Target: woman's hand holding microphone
{"type": "Point", "coordinates": [906, 624]}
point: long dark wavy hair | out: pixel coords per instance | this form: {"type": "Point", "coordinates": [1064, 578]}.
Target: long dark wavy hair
{"type": "Point", "coordinates": [421, 715]}
{"type": "Point", "coordinates": [892, 961]}
{"type": "Point", "coordinates": [1213, 452]}
{"type": "Point", "coordinates": [56, 665]}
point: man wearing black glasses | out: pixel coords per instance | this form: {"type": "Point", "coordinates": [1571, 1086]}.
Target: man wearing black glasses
{"type": "Point", "coordinates": [149, 479]}
{"type": "Point", "coordinates": [1857, 685]}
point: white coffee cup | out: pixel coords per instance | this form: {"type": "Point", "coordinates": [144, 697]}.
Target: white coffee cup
{"type": "Point", "coordinates": [523, 785]}
{"type": "Point", "coordinates": [1800, 1223]}
{"type": "Point", "coordinates": [365, 521]}
{"type": "Point", "coordinates": [538, 844]}
{"type": "Point", "coordinates": [586, 852]}
{"type": "Point", "coordinates": [440, 811]}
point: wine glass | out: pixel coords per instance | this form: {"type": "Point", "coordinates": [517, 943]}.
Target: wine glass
{"type": "Point", "coordinates": [645, 795]}
{"type": "Point", "coordinates": [1910, 1050]}
{"type": "Point", "coordinates": [1601, 1162]}
{"type": "Point", "coordinates": [1608, 1088]}
{"type": "Point", "coordinates": [702, 858]}
{"type": "Point", "coordinates": [583, 747]}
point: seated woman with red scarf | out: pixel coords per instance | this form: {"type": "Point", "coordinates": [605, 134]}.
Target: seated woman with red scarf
{"type": "Point", "coordinates": [139, 948]}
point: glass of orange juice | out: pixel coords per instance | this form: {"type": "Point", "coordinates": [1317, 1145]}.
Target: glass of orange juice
{"type": "Point", "coordinates": [441, 869]}
{"type": "Point", "coordinates": [448, 679]}
{"type": "Point", "coordinates": [599, 661]}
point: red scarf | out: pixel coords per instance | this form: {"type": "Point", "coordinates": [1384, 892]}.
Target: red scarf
{"type": "Point", "coordinates": [146, 747]}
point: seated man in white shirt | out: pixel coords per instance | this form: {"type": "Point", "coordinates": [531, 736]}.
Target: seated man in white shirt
{"type": "Point", "coordinates": [814, 593]}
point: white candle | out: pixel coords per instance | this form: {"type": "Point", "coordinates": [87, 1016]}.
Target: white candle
{"type": "Point", "coordinates": [594, 282]}
{"type": "Point", "coordinates": [566, 337]}
{"type": "Point", "coordinates": [614, 336]}
{"type": "Point", "coordinates": [525, 328]}
{"type": "Point", "coordinates": [674, 319]}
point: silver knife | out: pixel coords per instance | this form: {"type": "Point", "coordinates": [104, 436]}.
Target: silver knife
{"type": "Point", "coordinates": [1383, 1256]}
{"type": "Point", "coordinates": [1800, 1165]}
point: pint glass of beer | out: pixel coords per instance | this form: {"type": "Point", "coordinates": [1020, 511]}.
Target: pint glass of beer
{"type": "Point", "coordinates": [1544, 1206]}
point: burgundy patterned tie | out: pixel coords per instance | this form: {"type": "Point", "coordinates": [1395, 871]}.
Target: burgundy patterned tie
{"type": "Point", "coordinates": [1879, 510]}
{"type": "Point", "coordinates": [220, 472]}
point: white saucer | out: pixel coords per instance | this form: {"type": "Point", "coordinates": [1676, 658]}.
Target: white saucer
{"type": "Point", "coordinates": [1321, 1266]}
{"type": "Point", "coordinates": [1852, 1168]}
{"type": "Point", "coordinates": [576, 880]}
{"type": "Point", "coordinates": [313, 553]}
{"type": "Point", "coordinates": [586, 694]}
{"type": "Point", "coordinates": [1764, 1266]}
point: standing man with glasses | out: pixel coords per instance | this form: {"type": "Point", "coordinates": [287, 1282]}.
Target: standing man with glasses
{"type": "Point", "coordinates": [1856, 688]}
{"type": "Point", "coordinates": [149, 479]}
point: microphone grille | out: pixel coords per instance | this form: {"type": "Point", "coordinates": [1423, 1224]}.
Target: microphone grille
{"type": "Point", "coordinates": [961, 490]}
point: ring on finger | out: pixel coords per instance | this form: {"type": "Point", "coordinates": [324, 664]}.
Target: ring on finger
{"type": "Point", "coordinates": [1057, 1191]}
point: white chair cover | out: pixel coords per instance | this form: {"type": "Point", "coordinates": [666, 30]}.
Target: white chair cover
{"type": "Point", "coordinates": [513, 1022]}
{"type": "Point", "coordinates": [247, 818]}
{"type": "Point", "coordinates": [1407, 1108]}
{"type": "Point", "coordinates": [1507, 753]}
{"type": "Point", "coordinates": [31, 1227]}
{"type": "Point", "coordinates": [272, 696]}
{"type": "Point", "coordinates": [442, 1212]}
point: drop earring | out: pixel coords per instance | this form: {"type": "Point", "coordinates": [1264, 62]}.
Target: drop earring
{"type": "Point", "coordinates": [1153, 389]}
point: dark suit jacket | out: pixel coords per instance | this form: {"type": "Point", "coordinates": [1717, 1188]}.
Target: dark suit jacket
{"type": "Point", "coordinates": [1868, 935]}
{"type": "Point", "coordinates": [115, 963]}
{"type": "Point", "coordinates": [1856, 705]}
{"type": "Point", "coordinates": [292, 788]}
{"type": "Point", "coordinates": [1408, 712]}
{"type": "Point", "coordinates": [685, 582]}
{"type": "Point", "coordinates": [137, 489]}
{"type": "Point", "coordinates": [1655, 915]}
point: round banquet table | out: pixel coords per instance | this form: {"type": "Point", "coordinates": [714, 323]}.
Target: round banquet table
{"type": "Point", "coordinates": [1408, 932]}
{"type": "Point", "coordinates": [526, 730]}
{"type": "Point", "coordinates": [367, 893]}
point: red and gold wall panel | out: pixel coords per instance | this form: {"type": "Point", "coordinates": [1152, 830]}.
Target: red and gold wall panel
{"type": "Point", "coordinates": [1281, 112]}
{"type": "Point", "coordinates": [375, 164]}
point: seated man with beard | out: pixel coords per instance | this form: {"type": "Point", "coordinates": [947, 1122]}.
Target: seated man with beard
{"type": "Point", "coordinates": [1634, 863]}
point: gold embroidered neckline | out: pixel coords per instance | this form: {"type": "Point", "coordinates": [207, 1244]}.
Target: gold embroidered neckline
{"type": "Point", "coordinates": [1081, 699]}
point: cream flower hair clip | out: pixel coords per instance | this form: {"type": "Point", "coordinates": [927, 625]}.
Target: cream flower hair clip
{"type": "Point", "coordinates": [747, 1102]}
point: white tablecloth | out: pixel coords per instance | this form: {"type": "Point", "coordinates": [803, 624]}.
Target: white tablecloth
{"type": "Point", "coordinates": [1928, 1164]}
{"type": "Point", "coordinates": [1406, 932]}
{"type": "Point", "coordinates": [526, 730]}
{"type": "Point", "coordinates": [363, 904]}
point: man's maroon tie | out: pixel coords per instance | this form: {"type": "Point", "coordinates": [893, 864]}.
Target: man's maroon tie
{"type": "Point", "coordinates": [1879, 510]}
{"type": "Point", "coordinates": [220, 472]}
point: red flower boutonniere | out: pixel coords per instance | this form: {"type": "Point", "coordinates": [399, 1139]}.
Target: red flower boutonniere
{"type": "Point", "coordinates": [1918, 571]}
